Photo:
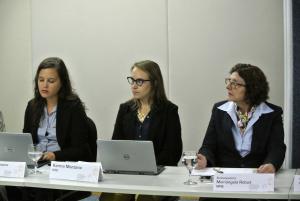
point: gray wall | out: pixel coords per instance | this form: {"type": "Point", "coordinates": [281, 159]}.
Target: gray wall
{"type": "Point", "coordinates": [195, 42]}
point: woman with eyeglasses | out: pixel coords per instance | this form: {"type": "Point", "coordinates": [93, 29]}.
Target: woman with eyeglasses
{"type": "Point", "coordinates": [149, 115]}
{"type": "Point", "coordinates": [245, 131]}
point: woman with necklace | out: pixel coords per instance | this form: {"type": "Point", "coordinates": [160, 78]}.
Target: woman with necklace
{"type": "Point", "coordinates": [245, 131]}
{"type": "Point", "coordinates": [149, 115]}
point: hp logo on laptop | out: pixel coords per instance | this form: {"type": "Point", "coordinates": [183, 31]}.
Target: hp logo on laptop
{"type": "Point", "coordinates": [126, 156]}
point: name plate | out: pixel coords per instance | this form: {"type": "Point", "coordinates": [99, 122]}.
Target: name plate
{"type": "Point", "coordinates": [12, 169]}
{"type": "Point", "coordinates": [244, 182]}
{"type": "Point", "coordinates": [297, 183]}
{"type": "Point", "coordinates": [76, 171]}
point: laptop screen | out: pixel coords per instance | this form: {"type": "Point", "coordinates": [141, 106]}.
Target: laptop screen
{"type": "Point", "coordinates": [127, 156]}
{"type": "Point", "coordinates": [14, 146]}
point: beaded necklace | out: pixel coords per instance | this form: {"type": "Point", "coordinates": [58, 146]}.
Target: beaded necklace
{"type": "Point", "coordinates": [243, 119]}
{"type": "Point", "coordinates": [141, 116]}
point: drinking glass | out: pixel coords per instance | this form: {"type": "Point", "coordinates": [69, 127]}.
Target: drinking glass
{"type": "Point", "coordinates": [189, 159]}
{"type": "Point", "coordinates": [35, 153]}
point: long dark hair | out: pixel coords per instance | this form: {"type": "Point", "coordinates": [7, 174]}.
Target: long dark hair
{"type": "Point", "coordinates": [157, 93]}
{"type": "Point", "coordinates": [65, 93]}
{"type": "Point", "coordinates": [257, 86]}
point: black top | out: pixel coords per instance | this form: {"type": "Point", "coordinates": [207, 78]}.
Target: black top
{"type": "Point", "coordinates": [164, 130]}
{"type": "Point", "coordinates": [142, 128]}
{"type": "Point", "coordinates": [267, 140]}
{"type": "Point", "coordinates": [71, 130]}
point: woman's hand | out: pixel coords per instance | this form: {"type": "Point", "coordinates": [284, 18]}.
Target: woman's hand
{"type": "Point", "coordinates": [266, 168]}
{"type": "Point", "coordinates": [50, 156]}
{"type": "Point", "coordinates": [201, 161]}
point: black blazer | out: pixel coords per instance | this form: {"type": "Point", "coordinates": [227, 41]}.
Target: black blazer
{"type": "Point", "coordinates": [71, 130]}
{"type": "Point", "coordinates": [164, 130]}
{"type": "Point", "coordinates": [267, 141]}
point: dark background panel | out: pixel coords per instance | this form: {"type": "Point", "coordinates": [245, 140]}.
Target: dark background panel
{"type": "Point", "coordinates": [296, 84]}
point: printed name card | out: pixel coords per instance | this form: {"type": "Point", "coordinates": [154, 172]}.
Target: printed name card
{"type": "Point", "coordinates": [76, 171]}
{"type": "Point", "coordinates": [12, 169]}
{"type": "Point", "coordinates": [244, 182]}
{"type": "Point", "coordinates": [297, 183]}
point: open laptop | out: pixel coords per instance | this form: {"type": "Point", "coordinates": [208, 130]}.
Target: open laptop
{"type": "Point", "coordinates": [14, 147]}
{"type": "Point", "coordinates": [127, 157]}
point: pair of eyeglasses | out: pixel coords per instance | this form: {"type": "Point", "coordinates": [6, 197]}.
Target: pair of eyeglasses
{"type": "Point", "coordinates": [138, 82]}
{"type": "Point", "coordinates": [234, 84]}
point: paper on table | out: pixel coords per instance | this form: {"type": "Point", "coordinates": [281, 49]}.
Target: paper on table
{"type": "Point", "coordinates": [213, 171]}
{"type": "Point", "coordinates": [239, 170]}
{"type": "Point", "coordinates": [203, 172]}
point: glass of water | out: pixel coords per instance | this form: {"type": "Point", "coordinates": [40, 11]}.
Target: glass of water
{"type": "Point", "coordinates": [35, 153]}
{"type": "Point", "coordinates": [189, 159]}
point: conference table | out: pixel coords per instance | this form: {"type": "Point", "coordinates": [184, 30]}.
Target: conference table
{"type": "Point", "coordinates": [294, 195]}
{"type": "Point", "coordinates": [170, 183]}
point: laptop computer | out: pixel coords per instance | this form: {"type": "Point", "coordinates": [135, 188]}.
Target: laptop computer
{"type": "Point", "coordinates": [127, 157]}
{"type": "Point", "coordinates": [14, 147]}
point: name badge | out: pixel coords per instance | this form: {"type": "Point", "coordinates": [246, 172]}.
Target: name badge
{"type": "Point", "coordinates": [12, 169]}
{"type": "Point", "coordinates": [76, 171]}
{"type": "Point", "coordinates": [297, 183]}
{"type": "Point", "coordinates": [244, 182]}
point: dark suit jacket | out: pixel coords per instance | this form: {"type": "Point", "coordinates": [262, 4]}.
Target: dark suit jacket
{"type": "Point", "coordinates": [71, 130]}
{"type": "Point", "coordinates": [267, 141]}
{"type": "Point", "coordinates": [164, 130]}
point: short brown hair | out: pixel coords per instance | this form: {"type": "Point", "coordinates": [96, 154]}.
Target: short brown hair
{"type": "Point", "coordinates": [257, 86]}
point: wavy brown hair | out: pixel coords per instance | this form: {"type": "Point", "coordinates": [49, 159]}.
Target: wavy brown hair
{"type": "Point", "coordinates": [257, 86]}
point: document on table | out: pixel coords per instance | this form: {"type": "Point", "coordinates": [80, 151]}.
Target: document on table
{"type": "Point", "coordinates": [214, 170]}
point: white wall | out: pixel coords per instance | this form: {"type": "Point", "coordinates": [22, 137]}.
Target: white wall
{"type": "Point", "coordinates": [99, 41]}
{"type": "Point", "coordinates": [195, 42]}
{"type": "Point", "coordinates": [15, 61]}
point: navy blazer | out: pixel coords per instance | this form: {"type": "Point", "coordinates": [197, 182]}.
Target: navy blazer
{"type": "Point", "coordinates": [267, 140]}
{"type": "Point", "coordinates": [164, 130]}
{"type": "Point", "coordinates": [71, 130]}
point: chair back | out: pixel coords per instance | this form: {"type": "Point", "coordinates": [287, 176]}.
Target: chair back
{"type": "Point", "coordinates": [92, 138]}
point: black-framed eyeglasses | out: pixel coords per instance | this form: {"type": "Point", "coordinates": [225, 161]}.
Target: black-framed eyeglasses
{"type": "Point", "coordinates": [234, 84]}
{"type": "Point", "coordinates": [138, 82]}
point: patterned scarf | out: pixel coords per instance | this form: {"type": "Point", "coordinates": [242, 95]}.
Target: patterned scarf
{"type": "Point", "coordinates": [243, 119]}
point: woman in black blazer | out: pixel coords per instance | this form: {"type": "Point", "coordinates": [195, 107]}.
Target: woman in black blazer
{"type": "Point", "coordinates": [244, 131]}
{"type": "Point", "coordinates": [166, 138]}
{"type": "Point", "coordinates": [149, 115]}
{"type": "Point", "coordinates": [57, 120]}
{"type": "Point", "coordinates": [56, 116]}
{"type": "Point", "coordinates": [71, 131]}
